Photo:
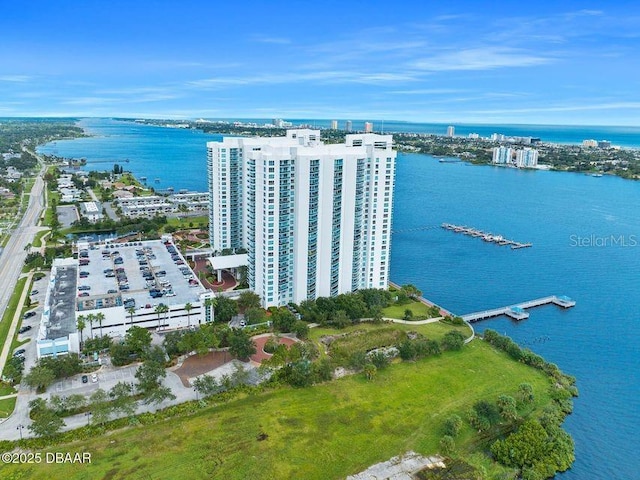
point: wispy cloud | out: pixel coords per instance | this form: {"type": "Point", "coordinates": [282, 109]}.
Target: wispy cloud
{"type": "Point", "coordinates": [426, 91]}
{"type": "Point", "coordinates": [338, 76]}
{"type": "Point", "coordinates": [583, 107]}
{"type": "Point", "coordinates": [15, 78]}
{"type": "Point", "coordinates": [270, 39]}
{"type": "Point", "coordinates": [480, 59]}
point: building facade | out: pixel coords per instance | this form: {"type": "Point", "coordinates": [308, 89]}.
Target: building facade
{"type": "Point", "coordinates": [315, 219]}
{"type": "Point", "coordinates": [526, 158]}
{"type": "Point", "coordinates": [502, 155]}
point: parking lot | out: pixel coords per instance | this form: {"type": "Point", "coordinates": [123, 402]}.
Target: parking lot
{"type": "Point", "coordinates": [106, 380]}
{"type": "Point", "coordinates": [67, 214]}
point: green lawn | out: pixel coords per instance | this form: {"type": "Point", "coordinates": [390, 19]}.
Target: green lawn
{"type": "Point", "coordinates": [419, 309]}
{"type": "Point", "coordinates": [6, 407]}
{"type": "Point", "coordinates": [184, 222]}
{"type": "Point", "coordinates": [323, 432]}
{"type": "Point", "coordinates": [10, 311]}
{"type": "Point", "coordinates": [37, 240]}
{"type": "Point", "coordinates": [434, 331]}
{"type": "Point", "coordinates": [6, 389]}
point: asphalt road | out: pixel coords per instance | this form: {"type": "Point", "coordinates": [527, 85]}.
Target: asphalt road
{"type": "Point", "coordinates": [12, 258]}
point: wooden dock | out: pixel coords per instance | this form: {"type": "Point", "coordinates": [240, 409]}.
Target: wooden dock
{"type": "Point", "coordinates": [517, 311]}
{"type": "Point", "coordinates": [486, 236]}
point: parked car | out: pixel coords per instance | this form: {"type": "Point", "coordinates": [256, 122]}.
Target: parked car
{"type": "Point", "coordinates": [20, 352]}
{"type": "Point", "coordinates": [29, 314]}
{"type": "Point", "coordinates": [94, 377]}
{"type": "Point", "coordinates": [85, 379]}
{"type": "Point", "coordinates": [34, 292]}
{"type": "Point", "coordinates": [26, 328]}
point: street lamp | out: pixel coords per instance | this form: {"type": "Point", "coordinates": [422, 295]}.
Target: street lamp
{"type": "Point", "coordinates": [88, 415]}
{"type": "Point", "coordinates": [20, 427]}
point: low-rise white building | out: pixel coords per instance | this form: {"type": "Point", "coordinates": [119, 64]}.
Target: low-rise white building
{"type": "Point", "coordinates": [92, 211]}
{"type": "Point", "coordinates": [114, 286]}
{"type": "Point", "coordinates": [158, 205]}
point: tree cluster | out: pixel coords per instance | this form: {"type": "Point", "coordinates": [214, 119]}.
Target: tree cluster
{"type": "Point", "coordinates": [345, 309]}
{"type": "Point", "coordinates": [49, 369]}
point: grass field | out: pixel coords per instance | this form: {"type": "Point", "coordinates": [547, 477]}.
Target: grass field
{"type": "Point", "coordinates": [323, 432]}
{"type": "Point", "coordinates": [37, 240]}
{"type": "Point", "coordinates": [6, 407]}
{"type": "Point", "coordinates": [10, 311]}
{"type": "Point", "coordinates": [6, 389]}
{"type": "Point", "coordinates": [184, 222]}
{"type": "Point", "coordinates": [433, 331]}
{"type": "Point", "coordinates": [419, 309]}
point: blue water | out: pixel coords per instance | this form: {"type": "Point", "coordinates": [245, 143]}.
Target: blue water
{"type": "Point", "coordinates": [176, 157]}
{"type": "Point", "coordinates": [597, 341]}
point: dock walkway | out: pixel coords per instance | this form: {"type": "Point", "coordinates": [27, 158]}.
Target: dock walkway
{"type": "Point", "coordinates": [486, 236]}
{"type": "Point", "coordinates": [517, 311]}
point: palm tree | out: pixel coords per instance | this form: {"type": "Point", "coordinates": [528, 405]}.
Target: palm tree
{"type": "Point", "coordinates": [100, 318]}
{"type": "Point", "coordinates": [187, 308]}
{"type": "Point", "coordinates": [81, 326]}
{"type": "Point", "coordinates": [159, 310]}
{"type": "Point", "coordinates": [131, 311]}
{"type": "Point", "coordinates": [91, 318]}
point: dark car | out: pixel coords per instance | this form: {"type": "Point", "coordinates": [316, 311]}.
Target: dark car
{"type": "Point", "coordinates": [85, 379]}
{"type": "Point", "coordinates": [29, 314]}
{"type": "Point", "coordinates": [19, 352]}
{"type": "Point", "coordinates": [26, 328]}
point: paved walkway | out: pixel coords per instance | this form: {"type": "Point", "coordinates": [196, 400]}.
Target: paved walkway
{"type": "Point", "coordinates": [413, 322]}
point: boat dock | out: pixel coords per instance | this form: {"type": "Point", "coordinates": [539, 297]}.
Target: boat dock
{"type": "Point", "coordinates": [486, 236]}
{"type": "Point", "coordinates": [518, 311]}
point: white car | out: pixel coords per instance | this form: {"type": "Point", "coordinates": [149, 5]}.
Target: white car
{"type": "Point", "coordinates": [94, 377]}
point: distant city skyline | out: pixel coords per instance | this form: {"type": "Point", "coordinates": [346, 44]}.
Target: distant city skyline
{"type": "Point", "coordinates": [573, 63]}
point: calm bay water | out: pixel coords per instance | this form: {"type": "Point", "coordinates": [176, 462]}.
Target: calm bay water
{"type": "Point", "coordinates": [176, 157]}
{"type": "Point", "coordinates": [597, 341]}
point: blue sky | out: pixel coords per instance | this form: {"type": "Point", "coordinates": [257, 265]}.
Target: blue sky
{"type": "Point", "coordinates": [466, 61]}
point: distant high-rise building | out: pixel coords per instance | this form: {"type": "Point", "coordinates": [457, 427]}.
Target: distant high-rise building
{"type": "Point", "coordinates": [278, 122]}
{"type": "Point", "coordinates": [526, 158]}
{"type": "Point", "coordinates": [474, 136]}
{"type": "Point", "coordinates": [451, 130]}
{"type": "Point", "coordinates": [604, 144]}
{"type": "Point", "coordinates": [368, 127]}
{"type": "Point", "coordinates": [590, 143]}
{"type": "Point", "coordinates": [349, 126]}
{"type": "Point", "coordinates": [334, 124]}
{"type": "Point", "coordinates": [502, 155]}
{"type": "Point", "coordinates": [315, 219]}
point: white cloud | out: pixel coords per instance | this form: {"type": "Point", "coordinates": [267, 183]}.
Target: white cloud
{"type": "Point", "coordinates": [15, 78]}
{"type": "Point", "coordinates": [479, 59]}
{"type": "Point", "coordinates": [270, 39]}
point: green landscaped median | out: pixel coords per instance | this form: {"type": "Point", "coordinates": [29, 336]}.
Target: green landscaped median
{"type": "Point", "coordinates": [327, 431]}
{"type": "Point", "coordinates": [7, 318]}
{"type": "Point", "coordinates": [6, 406]}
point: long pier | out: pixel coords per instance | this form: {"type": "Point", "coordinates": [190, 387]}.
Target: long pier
{"type": "Point", "coordinates": [518, 310]}
{"type": "Point", "coordinates": [486, 236]}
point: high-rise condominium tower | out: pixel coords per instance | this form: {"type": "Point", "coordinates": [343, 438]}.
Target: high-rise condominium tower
{"type": "Point", "coordinates": [314, 218]}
